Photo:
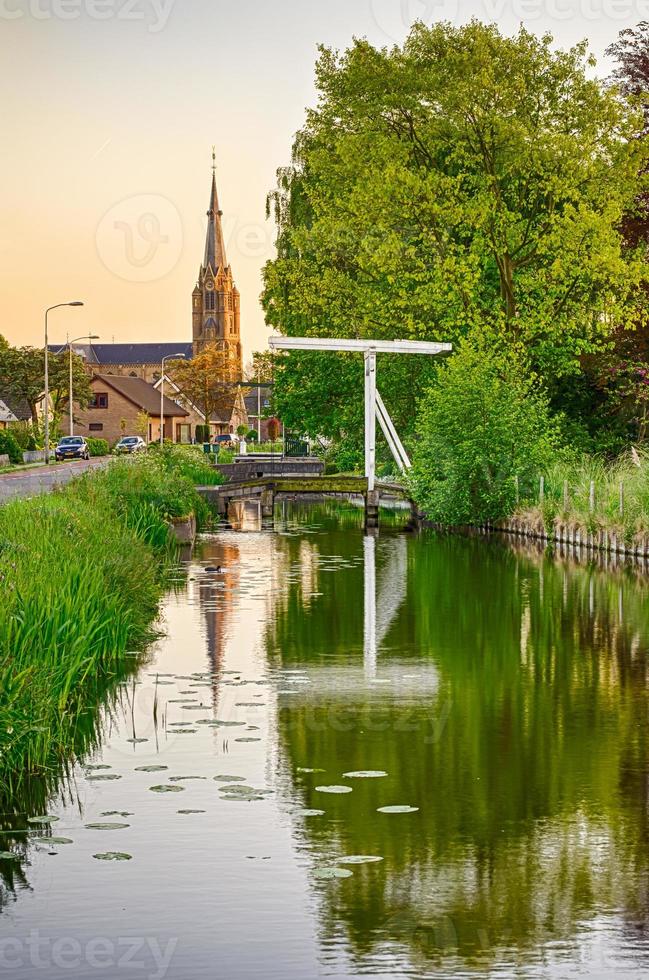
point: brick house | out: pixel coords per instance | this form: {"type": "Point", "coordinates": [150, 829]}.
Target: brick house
{"type": "Point", "coordinates": [232, 413]}
{"type": "Point", "coordinates": [13, 410]}
{"type": "Point", "coordinates": [129, 406]}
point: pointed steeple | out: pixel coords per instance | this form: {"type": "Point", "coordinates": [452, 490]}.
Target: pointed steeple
{"type": "Point", "coordinates": [214, 244]}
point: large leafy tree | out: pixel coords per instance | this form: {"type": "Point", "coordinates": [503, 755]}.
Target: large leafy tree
{"type": "Point", "coordinates": [22, 375]}
{"type": "Point", "coordinates": [206, 380]}
{"type": "Point", "coordinates": [465, 180]}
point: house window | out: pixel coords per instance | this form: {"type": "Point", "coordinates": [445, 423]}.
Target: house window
{"type": "Point", "coordinates": [96, 426]}
{"type": "Point", "coordinates": [99, 400]}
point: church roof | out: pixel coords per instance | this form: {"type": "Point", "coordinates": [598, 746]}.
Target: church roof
{"type": "Point", "coordinates": [132, 353]}
{"type": "Point", "coordinates": [214, 244]}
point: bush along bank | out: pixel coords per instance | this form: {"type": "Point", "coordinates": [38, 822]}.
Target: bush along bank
{"type": "Point", "coordinates": [81, 574]}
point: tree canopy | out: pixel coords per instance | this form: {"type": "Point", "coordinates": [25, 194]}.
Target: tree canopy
{"type": "Point", "coordinates": [465, 180]}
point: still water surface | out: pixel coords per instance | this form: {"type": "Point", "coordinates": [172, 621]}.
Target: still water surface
{"type": "Point", "coordinates": [501, 698]}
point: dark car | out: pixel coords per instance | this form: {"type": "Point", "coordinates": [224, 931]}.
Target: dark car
{"type": "Point", "coordinates": [72, 447]}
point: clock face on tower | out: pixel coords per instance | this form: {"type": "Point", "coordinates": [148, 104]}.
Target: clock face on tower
{"type": "Point", "coordinates": [209, 285]}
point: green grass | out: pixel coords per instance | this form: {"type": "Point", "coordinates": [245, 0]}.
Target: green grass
{"type": "Point", "coordinates": [567, 495]}
{"type": "Point", "coordinates": [81, 575]}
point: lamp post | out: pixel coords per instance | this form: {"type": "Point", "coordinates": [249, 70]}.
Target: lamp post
{"type": "Point", "coordinates": [69, 344]}
{"type": "Point", "coordinates": [167, 357]}
{"type": "Point", "coordinates": [47, 378]}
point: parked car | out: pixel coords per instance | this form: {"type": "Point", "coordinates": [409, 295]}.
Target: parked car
{"type": "Point", "coordinates": [131, 444]}
{"type": "Point", "coordinates": [72, 447]}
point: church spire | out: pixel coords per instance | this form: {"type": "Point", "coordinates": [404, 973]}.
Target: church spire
{"type": "Point", "coordinates": [214, 245]}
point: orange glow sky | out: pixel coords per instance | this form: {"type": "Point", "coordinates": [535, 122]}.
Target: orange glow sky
{"type": "Point", "coordinates": [110, 109]}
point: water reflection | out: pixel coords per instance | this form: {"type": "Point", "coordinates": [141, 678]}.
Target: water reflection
{"type": "Point", "coordinates": [503, 692]}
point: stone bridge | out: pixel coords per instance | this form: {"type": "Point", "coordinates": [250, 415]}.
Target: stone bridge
{"type": "Point", "coordinates": [268, 489]}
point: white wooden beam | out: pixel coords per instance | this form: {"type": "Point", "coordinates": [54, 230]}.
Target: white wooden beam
{"type": "Point", "coordinates": [397, 449]}
{"type": "Point", "coordinates": [277, 342]}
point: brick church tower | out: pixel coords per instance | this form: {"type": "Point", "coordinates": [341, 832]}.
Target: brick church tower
{"type": "Point", "coordinates": [216, 303]}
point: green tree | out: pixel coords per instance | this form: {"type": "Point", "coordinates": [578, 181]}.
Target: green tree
{"type": "Point", "coordinates": [484, 424]}
{"type": "Point", "coordinates": [22, 374]}
{"type": "Point", "coordinates": [463, 180]}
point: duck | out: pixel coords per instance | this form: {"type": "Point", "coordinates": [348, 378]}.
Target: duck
{"type": "Point", "coordinates": [214, 568]}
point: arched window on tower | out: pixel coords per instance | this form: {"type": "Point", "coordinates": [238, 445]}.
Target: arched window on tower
{"type": "Point", "coordinates": [209, 301]}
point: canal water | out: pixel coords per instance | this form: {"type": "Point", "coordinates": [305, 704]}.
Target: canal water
{"type": "Point", "coordinates": [402, 756]}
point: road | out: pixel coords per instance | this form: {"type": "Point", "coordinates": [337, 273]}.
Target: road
{"type": "Point", "coordinates": [42, 479]}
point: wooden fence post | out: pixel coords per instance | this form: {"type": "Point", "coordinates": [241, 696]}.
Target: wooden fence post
{"type": "Point", "coordinates": [591, 502]}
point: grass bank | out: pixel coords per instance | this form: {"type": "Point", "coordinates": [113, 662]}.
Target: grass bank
{"type": "Point", "coordinates": [81, 573]}
{"type": "Point", "coordinates": [592, 494]}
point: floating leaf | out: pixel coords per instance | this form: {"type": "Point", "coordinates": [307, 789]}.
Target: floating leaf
{"type": "Point", "coordinates": [194, 707]}
{"type": "Point", "coordinates": [360, 859]}
{"type": "Point", "coordinates": [311, 813]}
{"type": "Point", "coordinates": [9, 856]}
{"type": "Point", "coordinates": [52, 840]}
{"type": "Point", "coordinates": [397, 809]}
{"type": "Point", "coordinates": [247, 738]}
{"type": "Point", "coordinates": [107, 826]}
{"type": "Point", "coordinates": [187, 812]}
{"type": "Point", "coordinates": [332, 873]}
{"type": "Point", "coordinates": [116, 813]}
{"type": "Point", "coordinates": [167, 789]}
{"type": "Point", "coordinates": [229, 779]}
{"type": "Point", "coordinates": [150, 768]}
{"type": "Point", "coordinates": [113, 856]}
{"type": "Point", "coordinates": [365, 774]}
{"type": "Point", "coordinates": [333, 789]}
{"type": "Point", "coordinates": [186, 731]}
{"type": "Point", "coordinates": [304, 769]}
{"type": "Point", "coordinates": [96, 768]}
{"type": "Point", "coordinates": [183, 779]}
{"type": "Point", "coordinates": [44, 819]}
{"type": "Point", "coordinates": [103, 777]}
{"type": "Point", "coordinates": [137, 741]}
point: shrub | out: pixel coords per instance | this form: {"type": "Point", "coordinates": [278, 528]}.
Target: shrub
{"type": "Point", "coordinates": [9, 447]}
{"type": "Point", "coordinates": [24, 436]}
{"type": "Point", "coordinates": [252, 435]}
{"type": "Point", "coordinates": [482, 424]}
{"type": "Point", "coordinates": [203, 433]}
{"type": "Point", "coordinates": [98, 447]}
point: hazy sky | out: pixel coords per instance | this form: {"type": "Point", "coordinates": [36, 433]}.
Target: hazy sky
{"type": "Point", "coordinates": [110, 109]}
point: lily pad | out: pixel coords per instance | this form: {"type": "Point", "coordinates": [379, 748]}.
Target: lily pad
{"type": "Point", "coordinates": [186, 731]}
{"type": "Point", "coordinates": [151, 768]}
{"type": "Point", "coordinates": [360, 859]}
{"type": "Point", "coordinates": [167, 789]}
{"type": "Point", "coordinates": [183, 779]}
{"type": "Point", "coordinates": [365, 774]}
{"type": "Point", "coordinates": [333, 789]}
{"type": "Point", "coordinates": [96, 768]}
{"type": "Point", "coordinates": [9, 856]}
{"type": "Point", "coordinates": [229, 779]}
{"type": "Point", "coordinates": [194, 707]}
{"type": "Point", "coordinates": [188, 812]}
{"type": "Point", "coordinates": [107, 826]}
{"type": "Point", "coordinates": [113, 856]}
{"type": "Point", "coordinates": [103, 777]}
{"type": "Point", "coordinates": [304, 769]}
{"type": "Point", "coordinates": [137, 741]}
{"type": "Point", "coordinates": [397, 809]}
{"type": "Point", "coordinates": [52, 840]}
{"type": "Point", "coordinates": [116, 813]}
{"type": "Point", "coordinates": [332, 873]}
{"type": "Point", "coordinates": [45, 819]}
{"type": "Point", "coordinates": [311, 813]}
{"type": "Point", "coordinates": [247, 738]}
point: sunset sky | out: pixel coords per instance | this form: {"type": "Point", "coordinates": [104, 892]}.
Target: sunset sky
{"type": "Point", "coordinates": [110, 109]}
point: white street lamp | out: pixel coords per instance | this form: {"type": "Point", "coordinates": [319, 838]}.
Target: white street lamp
{"type": "Point", "coordinates": [47, 379]}
{"type": "Point", "coordinates": [167, 357]}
